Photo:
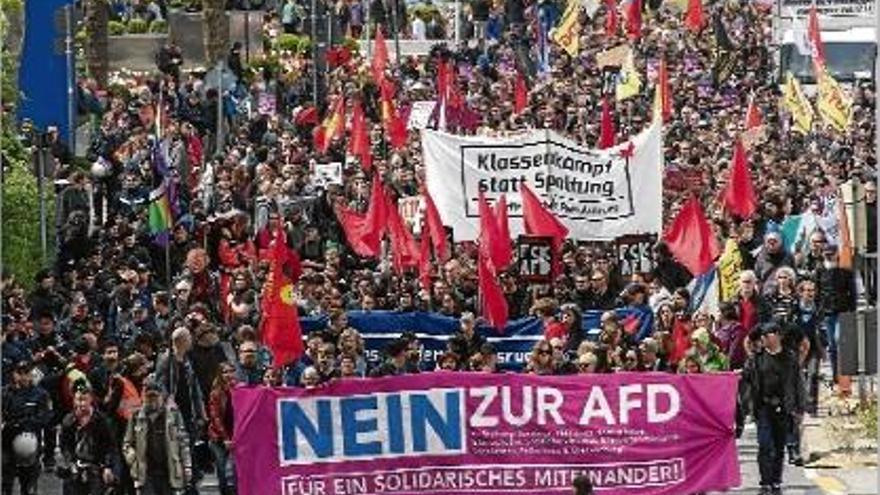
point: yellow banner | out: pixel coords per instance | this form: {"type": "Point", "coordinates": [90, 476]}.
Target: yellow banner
{"type": "Point", "coordinates": [628, 83]}
{"type": "Point", "coordinates": [730, 264]}
{"type": "Point", "coordinates": [835, 107]}
{"type": "Point", "coordinates": [567, 34]}
{"type": "Point", "coordinates": [797, 105]}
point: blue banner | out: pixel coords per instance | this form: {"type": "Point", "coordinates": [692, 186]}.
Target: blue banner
{"type": "Point", "coordinates": [380, 328]}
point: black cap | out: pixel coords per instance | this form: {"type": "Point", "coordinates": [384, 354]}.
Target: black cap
{"type": "Point", "coordinates": [24, 364]}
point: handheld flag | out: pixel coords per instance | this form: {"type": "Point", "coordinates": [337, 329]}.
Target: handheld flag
{"type": "Point", "coordinates": [814, 35]}
{"type": "Point", "coordinates": [505, 247]}
{"type": "Point", "coordinates": [567, 34]}
{"type": "Point", "coordinates": [739, 194]}
{"type": "Point", "coordinates": [279, 326]}
{"type": "Point", "coordinates": [691, 240]}
{"type": "Point", "coordinates": [797, 104]}
{"type": "Point", "coordinates": [634, 19]}
{"type": "Point", "coordinates": [662, 97]}
{"type": "Point", "coordinates": [725, 54]}
{"type": "Point", "coordinates": [520, 94]}
{"type": "Point", "coordinates": [607, 131]}
{"type": "Point", "coordinates": [359, 144]}
{"type": "Point", "coordinates": [694, 19]}
{"type": "Point", "coordinates": [435, 227]}
{"type": "Point", "coordinates": [493, 304]}
{"type": "Point", "coordinates": [380, 58]}
{"type": "Point", "coordinates": [160, 217]}
{"type": "Point", "coordinates": [835, 107]}
{"type": "Point", "coordinates": [395, 127]}
{"type": "Point", "coordinates": [332, 127]}
{"type": "Point", "coordinates": [612, 21]}
{"type": "Point", "coordinates": [753, 119]}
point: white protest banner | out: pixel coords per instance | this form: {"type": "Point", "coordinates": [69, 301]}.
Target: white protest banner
{"type": "Point", "coordinates": [598, 194]}
{"type": "Point", "coordinates": [420, 114]}
{"type": "Point", "coordinates": [327, 173]}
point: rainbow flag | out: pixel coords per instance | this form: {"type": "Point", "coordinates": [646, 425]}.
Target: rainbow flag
{"type": "Point", "coordinates": [160, 218]}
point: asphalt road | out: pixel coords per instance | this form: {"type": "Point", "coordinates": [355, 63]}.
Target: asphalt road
{"type": "Point", "coordinates": [797, 480]}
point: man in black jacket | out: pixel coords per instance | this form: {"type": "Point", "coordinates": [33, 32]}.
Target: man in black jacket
{"type": "Point", "coordinates": [777, 399]}
{"type": "Point", "coordinates": [836, 288]}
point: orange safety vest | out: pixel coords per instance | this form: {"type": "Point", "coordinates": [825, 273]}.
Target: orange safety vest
{"type": "Point", "coordinates": [131, 400]}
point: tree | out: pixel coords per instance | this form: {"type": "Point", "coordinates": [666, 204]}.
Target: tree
{"type": "Point", "coordinates": [97, 19]}
{"type": "Point", "coordinates": [215, 29]}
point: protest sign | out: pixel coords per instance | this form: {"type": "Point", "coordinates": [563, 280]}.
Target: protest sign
{"type": "Point", "coordinates": [490, 434]}
{"type": "Point", "coordinates": [613, 57]}
{"type": "Point", "coordinates": [327, 173]}
{"type": "Point", "coordinates": [597, 194]}
{"type": "Point", "coordinates": [410, 209]}
{"type": "Point", "coordinates": [535, 258]}
{"type": "Point", "coordinates": [634, 254]}
{"type": "Point", "coordinates": [380, 328]}
{"type": "Point", "coordinates": [420, 114]}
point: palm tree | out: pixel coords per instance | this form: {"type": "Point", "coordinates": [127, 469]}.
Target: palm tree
{"type": "Point", "coordinates": [215, 30]}
{"type": "Point", "coordinates": [97, 17]}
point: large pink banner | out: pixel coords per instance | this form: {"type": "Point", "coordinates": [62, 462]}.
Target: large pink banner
{"type": "Point", "coordinates": [468, 433]}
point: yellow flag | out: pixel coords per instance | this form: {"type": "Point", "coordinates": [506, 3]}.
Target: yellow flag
{"type": "Point", "coordinates": [730, 264]}
{"type": "Point", "coordinates": [628, 81]}
{"type": "Point", "coordinates": [567, 33]}
{"type": "Point", "coordinates": [834, 106]}
{"type": "Point", "coordinates": [797, 105]}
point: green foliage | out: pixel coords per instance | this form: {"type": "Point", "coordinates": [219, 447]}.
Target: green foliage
{"type": "Point", "coordinates": [158, 26]}
{"type": "Point", "coordinates": [427, 13]}
{"type": "Point", "coordinates": [116, 28]}
{"type": "Point", "coordinates": [352, 44]}
{"type": "Point", "coordinates": [11, 7]}
{"type": "Point", "coordinates": [137, 26]}
{"type": "Point", "coordinates": [293, 43]}
{"type": "Point", "coordinates": [21, 220]}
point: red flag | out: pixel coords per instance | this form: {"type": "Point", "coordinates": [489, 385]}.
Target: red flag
{"type": "Point", "coordinates": [542, 222]}
{"type": "Point", "coordinates": [306, 116]}
{"type": "Point", "coordinates": [634, 19]}
{"type": "Point", "coordinates": [425, 259]}
{"type": "Point", "coordinates": [492, 246]}
{"type": "Point", "coordinates": [607, 132]}
{"type": "Point", "coordinates": [404, 252]}
{"type": "Point", "coordinates": [359, 144]}
{"type": "Point", "coordinates": [681, 340]}
{"type": "Point", "coordinates": [434, 227]}
{"type": "Point", "coordinates": [279, 326]}
{"type": "Point", "coordinates": [364, 232]}
{"type": "Point", "coordinates": [631, 324]}
{"type": "Point", "coordinates": [443, 80]}
{"type": "Point", "coordinates": [380, 57]}
{"type": "Point", "coordinates": [505, 247]}
{"type": "Point", "coordinates": [739, 194]}
{"type": "Point", "coordinates": [691, 240]}
{"type": "Point", "coordinates": [815, 36]}
{"type": "Point", "coordinates": [493, 304]}
{"type": "Point", "coordinates": [332, 127]}
{"type": "Point", "coordinates": [663, 100]}
{"type": "Point", "coordinates": [611, 18]}
{"type": "Point", "coordinates": [539, 220]}
{"type": "Point", "coordinates": [395, 127]}
{"type": "Point", "coordinates": [754, 119]}
{"type": "Point", "coordinates": [694, 19]}
{"type": "Point", "coordinates": [520, 94]}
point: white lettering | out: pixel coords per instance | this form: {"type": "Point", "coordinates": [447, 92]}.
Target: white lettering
{"type": "Point", "coordinates": [597, 407]}
{"type": "Point", "coordinates": [626, 403]}
{"type": "Point", "coordinates": [478, 419]}
{"type": "Point", "coordinates": [654, 390]}
{"type": "Point", "coordinates": [549, 402]}
{"type": "Point", "coordinates": [506, 401]}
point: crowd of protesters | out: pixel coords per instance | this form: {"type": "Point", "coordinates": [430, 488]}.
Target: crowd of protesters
{"type": "Point", "coordinates": [121, 360]}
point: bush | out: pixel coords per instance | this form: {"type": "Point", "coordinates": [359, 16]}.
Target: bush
{"type": "Point", "coordinates": [158, 26]}
{"type": "Point", "coordinates": [137, 26]}
{"type": "Point", "coordinates": [293, 43]}
{"type": "Point", "coordinates": [352, 45]}
{"type": "Point", "coordinates": [116, 28]}
{"type": "Point", "coordinates": [427, 13]}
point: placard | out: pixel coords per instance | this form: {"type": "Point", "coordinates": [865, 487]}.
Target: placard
{"type": "Point", "coordinates": [535, 258]}
{"type": "Point", "coordinates": [634, 254]}
{"type": "Point", "coordinates": [420, 114]}
{"type": "Point", "coordinates": [327, 173]}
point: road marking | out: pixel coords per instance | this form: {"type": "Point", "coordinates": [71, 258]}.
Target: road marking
{"type": "Point", "coordinates": [829, 484]}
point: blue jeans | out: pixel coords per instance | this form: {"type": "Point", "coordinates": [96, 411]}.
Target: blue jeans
{"type": "Point", "coordinates": [772, 430]}
{"type": "Point", "coordinates": [832, 329]}
{"type": "Point", "coordinates": [225, 466]}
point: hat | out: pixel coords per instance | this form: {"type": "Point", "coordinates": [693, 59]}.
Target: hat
{"type": "Point", "coordinates": [96, 316]}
